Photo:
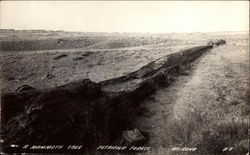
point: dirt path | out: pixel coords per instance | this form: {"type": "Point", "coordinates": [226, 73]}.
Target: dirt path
{"type": "Point", "coordinates": [155, 112]}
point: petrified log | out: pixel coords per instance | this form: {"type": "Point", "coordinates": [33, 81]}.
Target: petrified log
{"type": "Point", "coordinates": [217, 43]}
{"type": "Point", "coordinates": [61, 115]}
{"type": "Point", "coordinates": [85, 112]}
{"type": "Point", "coordinates": [15, 103]}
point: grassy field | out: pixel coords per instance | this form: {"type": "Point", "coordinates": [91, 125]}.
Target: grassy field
{"type": "Point", "coordinates": [207, 107]}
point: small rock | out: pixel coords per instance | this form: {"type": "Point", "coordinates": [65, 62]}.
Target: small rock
{"type": "Point", "coordinates": [133, 137]}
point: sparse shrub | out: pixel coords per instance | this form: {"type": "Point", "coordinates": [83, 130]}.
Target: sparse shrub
{"type": "Point", "coordinates": [87, 53]}
{"type": "Point", "coordinates": [99, 63]}
{"type": "Point", "coordinates": [90, 65]}
{"type": "Point", "coordinates": [60, 56]}
{"type": "Point", "coordinates": [138, 56]}
{"type": "Point", "coordinates": [77, 58]}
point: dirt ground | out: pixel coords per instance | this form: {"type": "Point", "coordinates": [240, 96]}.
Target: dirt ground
{"type": "Point", "coordinates": [41, 69]}
{"type": "Point", "coordinates": [212, 95]}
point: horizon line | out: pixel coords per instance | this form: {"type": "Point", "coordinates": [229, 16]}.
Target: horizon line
{"type": "Point", "coordinates": [122, 32]}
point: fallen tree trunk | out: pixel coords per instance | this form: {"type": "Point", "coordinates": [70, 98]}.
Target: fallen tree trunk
{"type": "Point", "coordinates": [84, 112]}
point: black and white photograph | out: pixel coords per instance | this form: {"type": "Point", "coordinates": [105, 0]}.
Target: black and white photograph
{"type": "Point", "coordinates": [124, 77]}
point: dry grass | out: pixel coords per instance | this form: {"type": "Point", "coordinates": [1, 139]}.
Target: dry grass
{"type": "Point", "coordinates": [207, 107]}
{"type": "Point", "coordinates": [210, 112]}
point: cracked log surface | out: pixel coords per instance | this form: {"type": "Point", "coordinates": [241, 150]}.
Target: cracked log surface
{"type": "Point", "coordinates": [84, 112]}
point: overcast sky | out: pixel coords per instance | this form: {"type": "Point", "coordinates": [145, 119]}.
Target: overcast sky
{"type": "Point", "coordinates": [126, 16]}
